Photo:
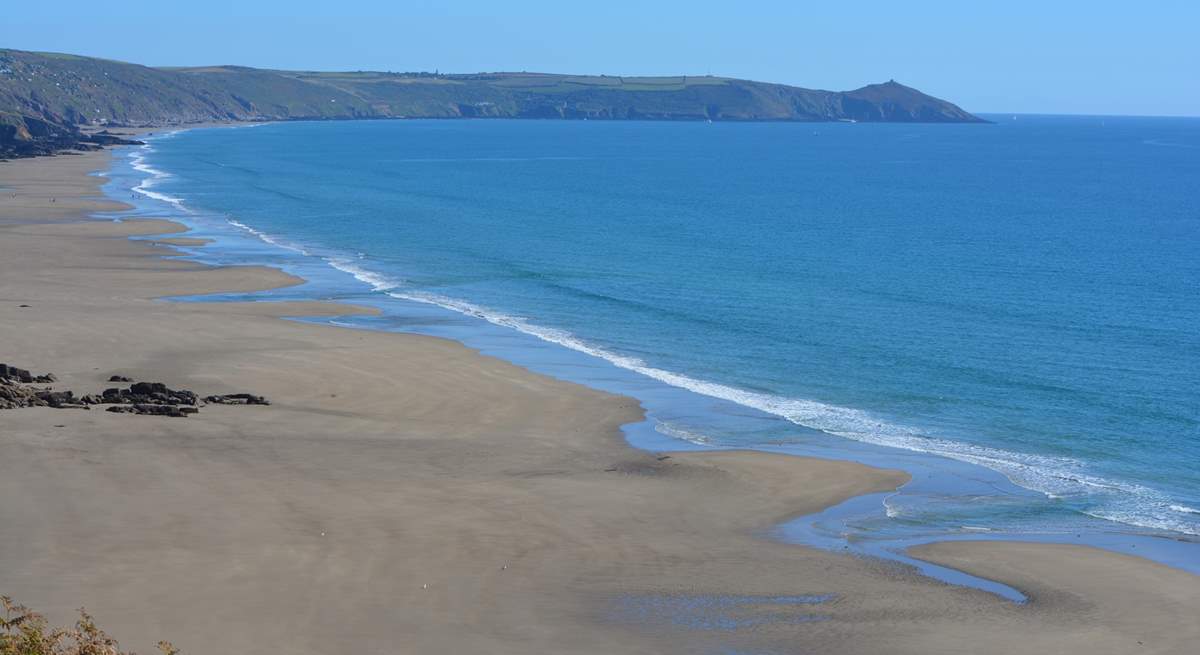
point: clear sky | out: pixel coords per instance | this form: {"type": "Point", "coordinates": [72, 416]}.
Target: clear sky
{"type": "Point", "coordinates": [1052, 56]}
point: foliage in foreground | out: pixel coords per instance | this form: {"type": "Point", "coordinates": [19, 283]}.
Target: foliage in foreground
{"type": "Point", "coordinates": [24, 632]}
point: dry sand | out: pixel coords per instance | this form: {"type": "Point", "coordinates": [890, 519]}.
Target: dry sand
{"type": "Point", "coordinates": [404, 494]}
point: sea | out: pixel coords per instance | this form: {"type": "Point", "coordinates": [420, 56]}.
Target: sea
{"type": "Point", "coordinates": [1008, 311]}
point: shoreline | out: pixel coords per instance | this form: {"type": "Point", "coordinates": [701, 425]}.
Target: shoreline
{"type": "Point", "coordinates": [789, 529]}
{"type": "Point", "coordinates": [697, 518]}
{"type": "Point", "coordinates": [968, 478]}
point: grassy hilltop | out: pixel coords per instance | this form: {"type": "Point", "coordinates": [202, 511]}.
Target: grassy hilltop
{"type": "Point", "coordinates": [45, 96]}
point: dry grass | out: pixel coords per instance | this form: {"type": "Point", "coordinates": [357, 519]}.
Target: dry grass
{"type": "Point", "coordinates": [24, 632]}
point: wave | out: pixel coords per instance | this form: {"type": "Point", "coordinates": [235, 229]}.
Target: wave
{"type": "Point", "coordinates": [153, 177]}
{"type": "Point", "coordinates": [674, 431]}
{"type": "Point", "coordinates": [138, 162]}
{"type": "Point", "coordinates": [1055, 477]}
{"type": "Point", "coordinates": [378, 282]}
{"type": "Point", "coordinates": [268, 238]}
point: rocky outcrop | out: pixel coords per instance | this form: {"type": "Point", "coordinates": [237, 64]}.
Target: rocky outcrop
{"type": "Point", "coordinates": [146, 393]}
{"type": "Point", "coordinates": [14, 374]}
{"type": "Point", "coordinates": [236, 399]}
{"type": "Point", "coordinates": [29, 136]}
{"type": "Point", "coordinates": [15, 392]}
{"type": "Point", "coordinates": [14, 395]}
{"type": "Point", "coordinates": [153, 410]}
{"type": "Point", "coordinates": [146, 398]}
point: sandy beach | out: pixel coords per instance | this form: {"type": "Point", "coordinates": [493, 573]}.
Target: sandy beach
{"type": "Point", "coordinates": [405, 494]}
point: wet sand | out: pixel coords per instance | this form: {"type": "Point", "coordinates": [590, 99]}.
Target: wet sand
{"type": "Point", "coordinates": [405, 494]}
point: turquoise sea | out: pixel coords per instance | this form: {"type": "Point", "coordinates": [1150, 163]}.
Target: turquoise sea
{"type": "Point", "coordinates": [1009, 311]}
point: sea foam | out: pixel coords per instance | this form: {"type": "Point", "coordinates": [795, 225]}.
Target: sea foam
{"type": "Point", "coordinates": [153, 177]}
{"type": "Point", "coordinates": [267, 238]}
{"type": "Point", "coordinates": [377, 281]}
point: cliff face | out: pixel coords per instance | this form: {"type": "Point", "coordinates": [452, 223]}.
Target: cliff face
{"type": "Point", "coordinates": [54, 94]}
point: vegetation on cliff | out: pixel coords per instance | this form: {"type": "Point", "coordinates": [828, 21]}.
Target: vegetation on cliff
{"type": "Point", "coordinates": [46, 97]}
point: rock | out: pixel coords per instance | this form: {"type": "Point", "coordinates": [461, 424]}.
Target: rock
{"type": "Point", "coordinates": [56, 398]}
{"type": "Point", "coordinates": [21, 375]}
{"type": "Point", "coordinates": [153, 410]}
{"type": "Point", "coordinates": [13, 396]}
{"type": "Point", "coordinates": [236, 399]}
{"type": "Point", "coordinates": [147, 388]}
{"type": "Point", "coordinates": [151, 398]}
{"type": "Point", "coordinates": [14, 373]}
{"type": "Point", "coordinates": [104, 138]}
{"type": "Point", "coordinates": [150, 393]}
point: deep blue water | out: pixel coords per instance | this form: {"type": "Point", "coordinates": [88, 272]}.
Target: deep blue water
{"type": "Point", "coordinates": [1023, 296]}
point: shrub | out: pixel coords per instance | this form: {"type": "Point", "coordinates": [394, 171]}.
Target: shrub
{"type": "Point", "coordinates": [24, 632]}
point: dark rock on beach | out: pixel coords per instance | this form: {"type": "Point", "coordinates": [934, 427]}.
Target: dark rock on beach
{"type": "Point", "coordinates": [236, 399]}
{"type": "Point", "coordinates": [13, 396]}
{"type": "Point", "coordinates": [58, 399]}
{"type": "Point", "coordinates": [154, 410]}
{"type": "Point", "coordinates": [14, 374]}
{"type": "Point", "coordinates": [14, 393]}
{"type": "Point", "coordinates": [149, 393]}
{"type": "Point", "coordinates": [148, 398]}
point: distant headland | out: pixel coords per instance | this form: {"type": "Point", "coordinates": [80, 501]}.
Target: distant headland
{"type": "Point", "coordinates": [45, 98]}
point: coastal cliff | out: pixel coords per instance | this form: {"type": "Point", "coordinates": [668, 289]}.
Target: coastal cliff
{"type": "Point", "coordinates": [45, 98]}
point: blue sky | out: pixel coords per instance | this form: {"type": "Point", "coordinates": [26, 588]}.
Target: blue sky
{"type": "Point", "coordinates": [1066, 56]}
